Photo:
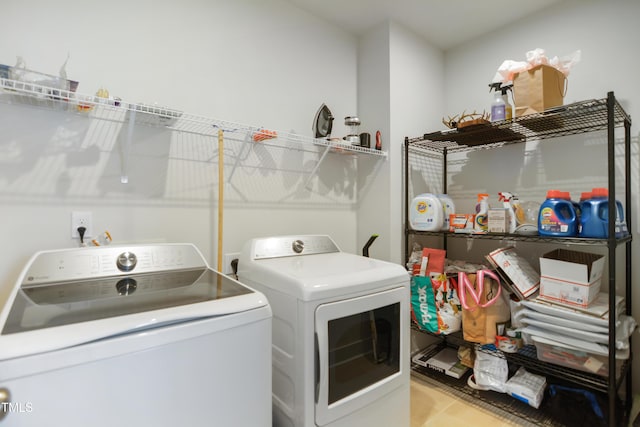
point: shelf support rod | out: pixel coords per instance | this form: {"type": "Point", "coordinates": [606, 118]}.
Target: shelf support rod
{"type": "Point", "coordinates": [445, 172]}
{"type": "Point", "coordinates": [246, 147]}
{"type": "Point", "coordinates": [316, 167]}
{"type": "Point", "coordinates": [126, 150]}
{"type": "Point", "coordinates": [405, 202]}
{"type": "Point", "coordinates": [611, 246]}
{"type": "Point", "coordinates": [220, 201]}
{"type": "Point", "coordinates": [628, 255]}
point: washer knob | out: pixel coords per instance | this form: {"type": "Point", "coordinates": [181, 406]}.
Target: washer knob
{"type": "Point", "coordinates": [126, 261]}
{"type": "Point", "coordinates": [297, 246]}
{"type": "Point", "coordinates": [126, 286]}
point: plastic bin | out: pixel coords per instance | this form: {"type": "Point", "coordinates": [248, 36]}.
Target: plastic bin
{"type": "Point", "coordinates": [573, 357]}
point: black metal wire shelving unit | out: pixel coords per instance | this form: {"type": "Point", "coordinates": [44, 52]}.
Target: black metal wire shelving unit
{"type": "Point", "coordinates": [581, 117]}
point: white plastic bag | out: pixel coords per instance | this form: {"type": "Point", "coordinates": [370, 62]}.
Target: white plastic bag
{"type": "Point", "coordinates": [490, 371]}
{"type": "Point", "coordinates": [527, 387]}
{"type": "Point", "coordinates": [509, 68]}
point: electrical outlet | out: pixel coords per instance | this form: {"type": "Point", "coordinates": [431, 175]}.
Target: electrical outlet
{"type": "Point", "coordinates": [226, 262]}
{"type": "Point", "coordinates": [81, 219]}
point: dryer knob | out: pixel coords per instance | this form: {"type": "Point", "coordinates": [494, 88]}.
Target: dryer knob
{"type": "Point", "coordinates": [297, 246]}
{"type": "Point", "coordinates": [126, 261]}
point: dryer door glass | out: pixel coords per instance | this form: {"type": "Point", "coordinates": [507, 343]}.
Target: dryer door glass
{"type": "Point", "coordinates": [363, 349]}
{"type": "Point", "coordinates": [360, 351]}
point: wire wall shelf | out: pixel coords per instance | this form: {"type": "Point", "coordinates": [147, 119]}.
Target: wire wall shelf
{"type": "Point", "coordinates": [119, 111]}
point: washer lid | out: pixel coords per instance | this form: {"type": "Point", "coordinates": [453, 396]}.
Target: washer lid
{"type": "Point", "coordinates": [67, 303]}
{"type": "Point", "coordinates": [60, 315]}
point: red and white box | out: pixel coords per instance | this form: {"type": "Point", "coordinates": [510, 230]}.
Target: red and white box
{"type": "Point", "coordinates": [570, 278]}
{"type": "Point", "coordinates": [461, 223]}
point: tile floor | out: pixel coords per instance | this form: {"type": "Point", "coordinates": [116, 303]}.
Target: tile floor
{"type": "Point", "coordinates": [431, 406]}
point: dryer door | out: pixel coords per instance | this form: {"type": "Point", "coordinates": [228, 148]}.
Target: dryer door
{"type": "Point", "coordinates": [361, 352]}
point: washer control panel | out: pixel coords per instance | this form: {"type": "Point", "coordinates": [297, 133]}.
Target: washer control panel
{"type": "Point", "coordinates": [285, 246]}
{"type": "Point", "coordinates": [103, 261]}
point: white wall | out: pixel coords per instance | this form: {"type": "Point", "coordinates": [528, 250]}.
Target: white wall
{"type": "Point", "coordinates": [399, 83]}
{"type": "Point", "coordinates": [261, 62]}
{"type": "Point", "coordinates": [374, 107]}
{"type": "Point", "coordinates": [607, 34]}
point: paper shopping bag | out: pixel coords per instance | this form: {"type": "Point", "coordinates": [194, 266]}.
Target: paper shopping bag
{"type": "Point", "coordinates": [538, 89]}
{"type": "Point", "coordinates": [485, 308]}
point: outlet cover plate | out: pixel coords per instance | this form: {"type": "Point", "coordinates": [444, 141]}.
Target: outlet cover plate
{"type": "Point", "coordinates": [81, 219]}
{"type": "Point", "coordinates": [226, 262]}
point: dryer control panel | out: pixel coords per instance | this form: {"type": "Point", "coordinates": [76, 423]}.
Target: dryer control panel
{"type": "Point", "coordinates": [286, 246]}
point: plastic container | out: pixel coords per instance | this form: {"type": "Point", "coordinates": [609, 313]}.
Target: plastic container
{"type": "Point", "coordinates": [560, 353]}
{"type": "Point", "coordinates": [557, 217]}
{"type": "Point", "coordinates": [511, 203]}
{"type": "Point", "coordinates": [585, 195]}
{"type": "Point", "coordinates": [508, 110]}
{"type": "Point", "coordinates": [448, 208]}
{"type": "Point", "coordinates": [426, 213]}
{"type": "Point", "coordinates": [594, 221]}
{"type": "Point", "coordinates": [498, 108]}
{"type": "Point", "coordinates": [481, 221]}
{"type": "Point", "coordinates": [576, 206]}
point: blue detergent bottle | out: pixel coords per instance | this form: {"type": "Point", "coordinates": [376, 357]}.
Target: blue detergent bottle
{"type": "Point", "coordinates": [577, 208]}
{"type": "Point", "coordinates": [594, 222]}
{"type": "Point", "coordinates": [584, 196]}
{"type": "Point", "coordinates": [557, 216]}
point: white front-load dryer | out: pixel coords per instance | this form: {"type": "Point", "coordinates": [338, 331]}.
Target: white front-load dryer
{"type": "Point", "coordinates": [340, 332]}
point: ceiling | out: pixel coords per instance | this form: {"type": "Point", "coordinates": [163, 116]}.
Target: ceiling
{"type": "Point", "coordinates": [444, 23]}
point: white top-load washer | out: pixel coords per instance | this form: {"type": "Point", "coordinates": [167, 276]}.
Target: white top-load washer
{"type": "Point", "coordinates": [340, 332]}
{"type": "Point", "coordinates": [141, 335]}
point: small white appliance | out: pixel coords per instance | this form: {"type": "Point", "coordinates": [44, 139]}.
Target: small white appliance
{"type": "Point", "coordinates": [340, 332]}
{"type": "Point", "coordinates": [144, 335]}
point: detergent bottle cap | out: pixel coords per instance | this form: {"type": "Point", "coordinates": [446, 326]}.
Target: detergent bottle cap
{"type": "Point", "coordinates": [482, 196]}
{"type": "Point", "coordinates": [600, 192]}
{"type": "Point", "coordinates": [585, 195]}
{"type": "Point", "coordinates": [554, 194]}
{"type": "Point", "coordinates": [565, 195]}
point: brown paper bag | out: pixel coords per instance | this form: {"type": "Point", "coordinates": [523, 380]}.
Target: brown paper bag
{"type": "Point", "coordinates": [485, 309]}
{"type": "Point", "coordinates": [538, 89]}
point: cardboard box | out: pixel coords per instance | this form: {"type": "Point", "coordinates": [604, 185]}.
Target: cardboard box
{"type": "Point", "coordinates": [461, 223]}
{"type": "Point", "coordinates": [570, 277]}
{"type": "Point", "coordinates": [538, 89]}
{"type": "Point", "coordinates": [498, 221]}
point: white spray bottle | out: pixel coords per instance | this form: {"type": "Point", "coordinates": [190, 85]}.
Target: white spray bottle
{"type": "Point", "coordinates": [506, 198]}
